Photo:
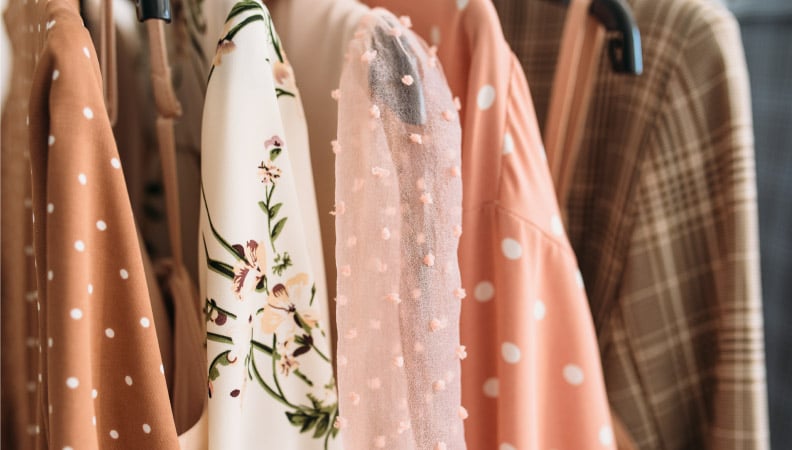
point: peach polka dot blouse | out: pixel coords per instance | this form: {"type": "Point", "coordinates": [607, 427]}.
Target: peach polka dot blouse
{"type": "Point", "coordinates": [532, 377]}
{"type": "Point", "coordinates": [100, 382]}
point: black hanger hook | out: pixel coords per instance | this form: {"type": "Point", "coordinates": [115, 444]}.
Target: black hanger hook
{"type": "Point", "coordinates": [153, 9]}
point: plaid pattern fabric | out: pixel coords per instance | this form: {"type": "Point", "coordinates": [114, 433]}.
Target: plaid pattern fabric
{"type": "Point", "coordinates": [768, 49]}
{"type": "Point", "coordinates": [662, 215]}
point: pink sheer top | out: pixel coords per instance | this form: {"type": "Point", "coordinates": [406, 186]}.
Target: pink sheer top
{"type": "Point", "coordinates": [398, 222]}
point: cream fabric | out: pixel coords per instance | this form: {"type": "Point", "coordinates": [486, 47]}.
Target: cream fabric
{"type": "Point", "coordinates": [316, 34]}
{"type": "Point", "coordinates": [270, 375]}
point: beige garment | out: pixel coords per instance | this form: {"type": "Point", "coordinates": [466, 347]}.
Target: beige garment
{"type": "Point", "coordinates": [19, 336]}
{"type": "Point", "coordinates": [102, 383]}
{"type": "Point", "coordinates": [316, 34]}
{"type": "Point", "coordinates": [662, 215]}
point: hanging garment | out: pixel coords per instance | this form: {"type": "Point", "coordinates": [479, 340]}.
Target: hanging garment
{"type": "Point", "coordinates": [532, 371]}
{"type": "Point", "coordinates": [398, 221]}
{"type": "Point", "coordinates": [300, 155]}
{"type": "Point", "coordinates": [662, 214]}
{"type": "Point", "coordinates": [270, 374]}
{"type": "Point", "coordinates": [766, 27]}
{"type": "Point", "coordinates": [101, 383]}
{"type": "Point", "coordinates": [20, 424]}
{"type": "Point", "coordinates": [174, 298]}
{"type": "Point", "coordinates": [317, 34]}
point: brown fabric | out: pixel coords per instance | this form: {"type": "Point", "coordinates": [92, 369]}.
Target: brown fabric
{"type": "Point", "coordinates": [18, 287]}
{"type": "Point", "coordinates": [563, 93]}
{"type": "Point", "coordinates": [593, 39]}
{"type": "Point", "coordinates": [188, 393]}
{"type": "Point", "coordinates": [100, 359]}
{"type": "Point", "coordinates": [662, 215]}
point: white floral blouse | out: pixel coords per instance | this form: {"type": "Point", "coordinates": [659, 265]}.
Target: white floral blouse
{"type": "Point", "coordinates": [270, 378]}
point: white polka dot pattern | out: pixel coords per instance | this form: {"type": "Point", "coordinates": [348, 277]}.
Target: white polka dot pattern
{"type": "Point", "coordinates": [573, 374]}
{"type": "Point", "coordinates": [484, 291]}
{"type": "Point", "coordinates": [556, 226]}
{"type": "Point", "coordinates": [491, 387]}
{"type": "Point", "coordinates": [511, 249]}
{"type": "Point", "coordinates": [485, 97]}
{"type": "Point", "coordinates": [511, 352]}
{"type": "Point", "coordinates": [72, 382]}
{"type": "Point", "coordinates": [508, 144]}
{"type": "Point", "coordinates": [434, 35]}
{"type": "Point", "coordinates": [539, 310]}
{"type": "Point", "coordinates": [606, 436]}
{"type": "Point", "coordinates": [86, 237]}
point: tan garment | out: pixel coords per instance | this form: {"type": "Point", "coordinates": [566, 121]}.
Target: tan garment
{"type": "Point", "coordinates": [662, 215]}
{"type": "Point", "coordinates": [19, 340]}
{"type": "Point", "coordinates": [102, 383]}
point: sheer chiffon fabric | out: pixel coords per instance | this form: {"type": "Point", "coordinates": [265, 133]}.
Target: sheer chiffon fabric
{"type": "Point", "coordinates": [398, 217]}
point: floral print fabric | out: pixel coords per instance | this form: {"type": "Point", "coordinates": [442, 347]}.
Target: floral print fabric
{"type": "Point", "coordinates": [269, 374]}
{"type": "Point", "coordinates": [398, 222]}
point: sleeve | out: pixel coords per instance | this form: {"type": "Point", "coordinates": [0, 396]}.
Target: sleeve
{"type": "Point", "coordinates": [269, 370]}
{"type": "Point", "coordinates": [101, 380]}
{"type": "Point", "coordinates": [690, 297]}
{"type": "Point", "coordinates": [398, 215]}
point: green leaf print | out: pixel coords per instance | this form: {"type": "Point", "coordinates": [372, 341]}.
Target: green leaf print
{"type": "Point", "coordinates": [275, 152]}
{"type": "Point", "coordinates": [276, 231]}
{"type": "Point", "coordinates": [274, 210]}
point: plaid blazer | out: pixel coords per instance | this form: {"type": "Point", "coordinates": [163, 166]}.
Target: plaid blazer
{"type": "Point", "coordinates": [766, 28]}
{"type": "Point", "coordinates": [663, 218]}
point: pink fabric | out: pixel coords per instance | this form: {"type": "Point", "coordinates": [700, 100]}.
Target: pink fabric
{"type": "Point", "coordinates": [533, 378]}
{"type": "Point", "coordinates": [398, 221]}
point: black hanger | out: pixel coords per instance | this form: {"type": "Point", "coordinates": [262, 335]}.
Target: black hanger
{"type": "Point", "coordinates": [153, 9]}
{"type": "Point", "coordinates": [624, 48]}
{"type": "Point", "coordinates": [406, 101]}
